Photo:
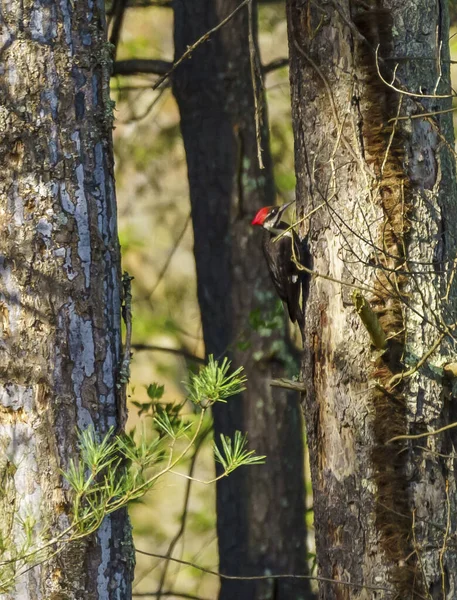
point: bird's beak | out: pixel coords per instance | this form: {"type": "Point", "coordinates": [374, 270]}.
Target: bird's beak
{"type": "Point", "coordinates": [284, 207]}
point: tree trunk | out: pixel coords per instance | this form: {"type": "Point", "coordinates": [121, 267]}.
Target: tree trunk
{"type": "Point", "coordinates": [60, 292]}
{"type": "Point", "coordinates": [384, 511]}
{"type": "Point", "coordinates": [261, 511]}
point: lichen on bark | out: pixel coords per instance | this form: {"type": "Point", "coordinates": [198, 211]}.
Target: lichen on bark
{"type": "Point", "coordinates": [60, 289]}
{"type": "Point", "coordinates": [388, 188]}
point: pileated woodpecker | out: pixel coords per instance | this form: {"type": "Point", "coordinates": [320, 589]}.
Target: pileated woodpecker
{"type": "Point", "coordinates": [284, 273]}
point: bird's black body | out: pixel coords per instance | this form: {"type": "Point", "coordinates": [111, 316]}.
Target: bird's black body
{"type": "Point", "coordinates": [284, 273]}
{"type": "Point", "coordinates": [280, 252]}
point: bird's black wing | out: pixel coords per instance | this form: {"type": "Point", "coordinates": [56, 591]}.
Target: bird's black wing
{"type": "Point", "coordinates": [284, 273]}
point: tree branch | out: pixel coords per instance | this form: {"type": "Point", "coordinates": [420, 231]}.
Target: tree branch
{"type": "Point", "coordinates": [278, 63]}
{"type": "Point", "coordinates": [168, 593]}
{"type": "Point", "coordinates": [117, 18]}
{"type": "Point", "coordinates": [138, 66]}
{"type": "Point", "coordinates": [197, 43]}
{"type": "Point", "coordinates": [169, 3]}
{"type": "Point", "coordinates": [157, 66]}
{"type": "Point", "coordinates": [271, 576]}
{"type": "Point", "coordinates": [178, 351]}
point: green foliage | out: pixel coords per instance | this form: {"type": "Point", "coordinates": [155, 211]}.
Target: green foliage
{"type": "Point", "coordinates": [112, 471]}
{"type": "Point", "coordinates": [171, 424]}
{"type": "Point", "coordinates": [213, 384]}
{"type": "Point", "coordinates": [233, 454]}
{"type": "Point", "coordinates": [116, 470]}
{"type": "Point", "coordinates": [155, 393]}
{"type": "Point", "coordinates": [20, 546]}
{"type": "Point", "coordinates": [267, 319]}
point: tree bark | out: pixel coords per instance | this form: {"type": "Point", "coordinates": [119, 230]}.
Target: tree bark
{"type": "Point", "coordinates": [59, 291]}
{"type": "Point", "coordinates": [384, 510]}
{"type": "Point", "coordinates": [261, 511]}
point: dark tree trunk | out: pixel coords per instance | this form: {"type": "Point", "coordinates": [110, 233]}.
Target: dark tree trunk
{"type": "Point", "coordinates": [386, 224]}
{"type": "Point", "coordinates": [59, 293]}
{"type": "Point", "coordinates": [261, 512]}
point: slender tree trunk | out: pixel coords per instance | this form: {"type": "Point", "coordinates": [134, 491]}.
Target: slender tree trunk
{"type": "Point", "coordinates": [59, 292]}
{"type": "Point", "coordinates": [384, 511]}
{"type": "Point", "coordinates": [261, 526]}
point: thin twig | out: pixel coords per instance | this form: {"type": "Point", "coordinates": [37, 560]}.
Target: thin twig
{"type": "Point", "coordinates": [445, 540]}
{"type": "Point", "coordinates": [288, 384]}
{"type": "Point", "coordinates": [301, 267]}
{"type": "Point", "coordinates": [422, 435]}
{"type": "Point", "coordinates": [135, 66]}
{"type": "Point", "coordinates": [272, 576]}
{"type": "Point", "coordinates": [170, 255]}
{"type": "Point", "coordinates": [204, 482]}
{"type": "Point", "coordinates": [425, 114]}
{"type": "Point", "coordinates": [178, 351]}
{"type": "Point", "coordinates": [404, 92]}
{"type": "Point", "coordinates": [200, 41]}
{"type": "Point", "coordinates": [168, 593]}
{"type": "Point", "coordinates": [438, 58]}
{"type": "Point", "coordinates": [302, 220]}
{"type": "Point", "coordinates": [418, 554]}
{"type": "Point", "coordinates": [184, 515]}
{"type": "Point", "coordinates": [391, 139]}
{"type": "Point", "coordinates": [328, 89]}
{"type": "Point", "coordinates": [400, 376]}
{"type": "Point", "coordinates": [138, 117]}
{"type": "Point", "coordinates": [256, 80]}
{"type": "Point", "coordinates": [451, 279]}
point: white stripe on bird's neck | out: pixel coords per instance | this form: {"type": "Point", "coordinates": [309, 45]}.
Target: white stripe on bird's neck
{"type": "Point", "coordinates": [281, 232]}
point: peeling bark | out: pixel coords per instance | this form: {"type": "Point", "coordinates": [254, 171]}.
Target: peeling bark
{"type": "Point", "coordinates": [388, 188]}
{"type": "Point", "coordinates": [260, 510]}
{"type": "Point", "coordinates": [59, 285]}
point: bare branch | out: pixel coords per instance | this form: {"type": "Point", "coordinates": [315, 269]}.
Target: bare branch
{"type": "Point", "coordinates": [289, 384]}
{"type": "Point", "coordinates": [201, 40]}
{"type": "Point", "coordinates": [184, 514]}
{"type": "Point", "coordinates": [168, 593]}
{"type": "Point", "coordinates": [177, 351]}
{"type": "Point", "coordinates": [405, 92]}
{"type": "Point", "coordinates": [257, 85]}
{"type": "Point", "coordinates": [138, 66]}
{"type": "Point", "coordinates": [278, 63]}
{"type": "Point", "coordinates": [149, 3]}
{"type": "Point", "coordinates": [117, 20]}
{"type": "Point", "coordinates": [270, 576]}
{"type": "Point", "coordinates": [169, 3]}
{"type": "Point", "coordinates": [157, 66]}
{"type": "Point", "coordinates": [170, 255]}
{"type": "Point", "coordinates": [418, 436]}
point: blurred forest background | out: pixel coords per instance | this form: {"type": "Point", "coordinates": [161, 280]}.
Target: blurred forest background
{"type": "Point", "coordinates": [156, 237]}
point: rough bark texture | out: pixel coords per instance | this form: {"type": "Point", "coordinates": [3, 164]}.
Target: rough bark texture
{"type": "Point", "coordinates": [261, 525]}
{"type": "Point", "coordinates": [59, 287]}
{"type": "Point", "coordinates": [388, 224]}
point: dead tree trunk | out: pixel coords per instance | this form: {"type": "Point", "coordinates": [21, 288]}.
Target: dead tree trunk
{"type": "Point", "coordinates": [385, 183]}
{"type": "Point", "coordinates": [261, 524]}
{"type": "Point", "coordinates": [59, 293]}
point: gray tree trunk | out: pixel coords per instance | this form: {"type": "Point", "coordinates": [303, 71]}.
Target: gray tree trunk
{"type": "Point", "coordinates": [260, 510]}
{"type": "Point", "coordinates": [59, 290]}
{"type": "Point", "coordinates": [385, 512]}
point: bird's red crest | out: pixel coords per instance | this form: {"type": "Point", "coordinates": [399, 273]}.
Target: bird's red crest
{"type": "Point", "coordinates": [261, 216]}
